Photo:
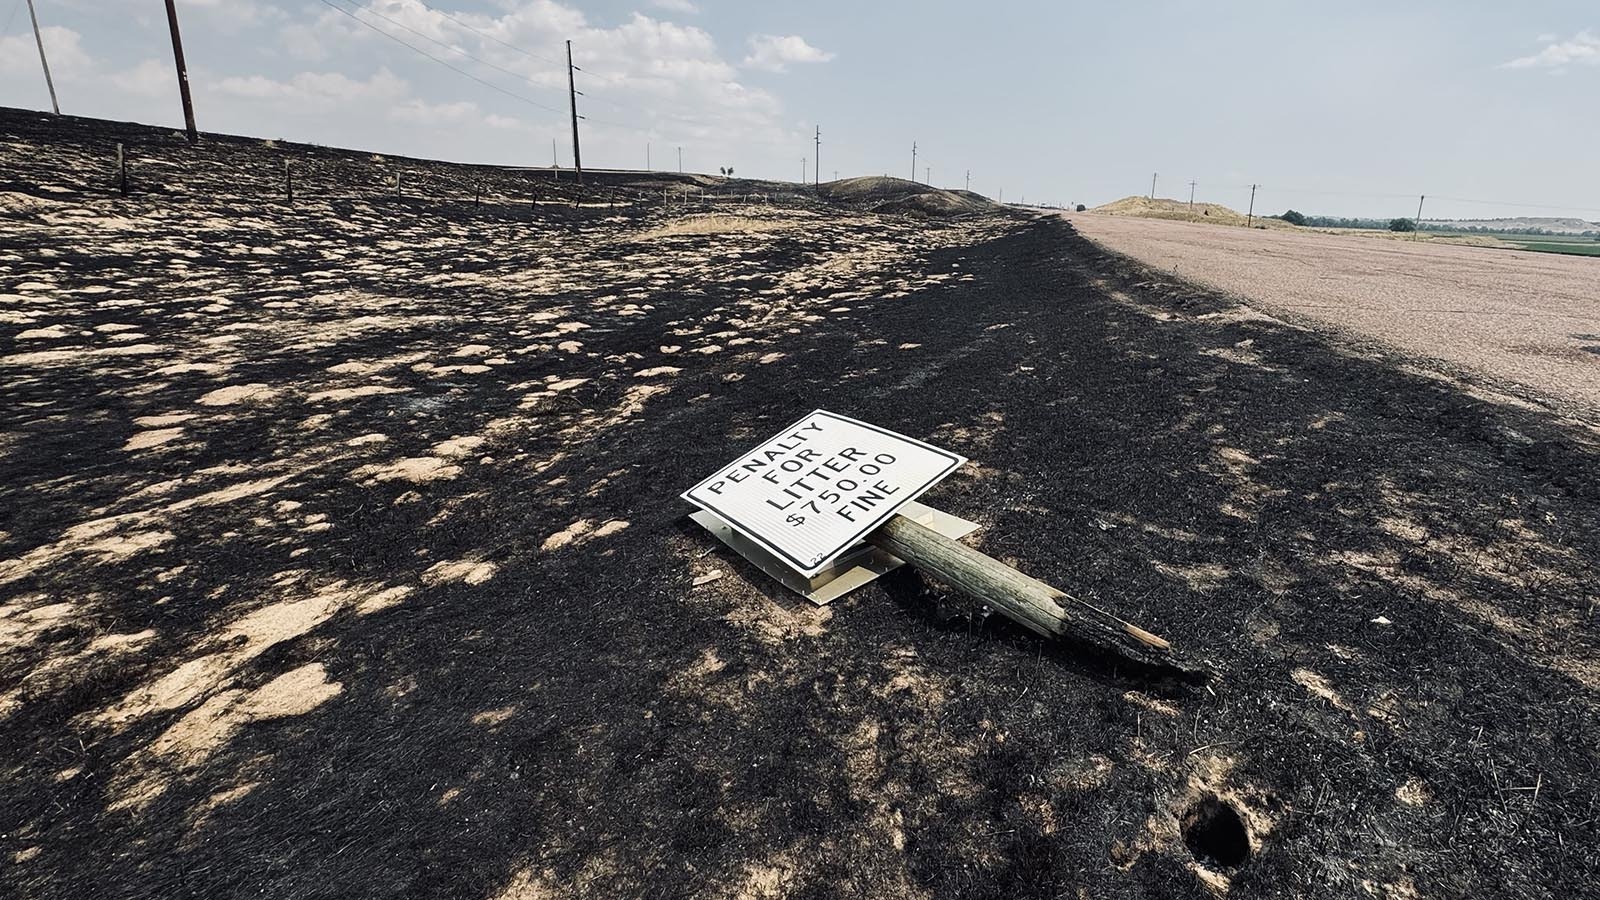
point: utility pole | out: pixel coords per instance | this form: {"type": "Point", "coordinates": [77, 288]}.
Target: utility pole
{"type": "Point", "coordinates": [680, 160]}
{"type": "Point", "coordinates": [46, 63]}
{"type": "Point", "coordinates": [927, 174]}
{"type": "Point", "coordinates": [183, 71]}
{"type": "Point", "coordinates": [1191, 198]}
{"type": "Point", "coordinates": [1153, 184]}
{"type": "Point", "coordinates": [572, 97]}
{"type": "Point", "coordinates": [1420, 198]}
{"type": "Point", "coordinates": [802, 170]}
{"type": "Point", "coordinates": [969, 180]}
{"type": "Point", "coordinates": [913, 161]}
{"type": "Point", "coordinates": [1250, 219]}
{"type": "Point", "coordinates": [816, 162]}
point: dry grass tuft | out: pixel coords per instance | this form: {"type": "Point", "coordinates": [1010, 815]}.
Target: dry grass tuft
{"type": "Point", "coordinates": [716, 225]}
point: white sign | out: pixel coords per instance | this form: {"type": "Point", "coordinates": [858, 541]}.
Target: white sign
{"type": "Point", "coordinates": [821, 485]}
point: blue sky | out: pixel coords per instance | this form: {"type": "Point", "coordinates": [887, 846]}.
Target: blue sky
{"type": "Point", "coordinates": [1346, 109]}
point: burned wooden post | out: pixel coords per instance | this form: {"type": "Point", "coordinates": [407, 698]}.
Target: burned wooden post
{"type": "Point", "coordinates": [122, 171]}
{"type": "Point", "coordinates": [829, 504]}
{"type": "Point", "coordinates": [1029, 602]}
{"type": "Point", "coordinates": [288, 184]}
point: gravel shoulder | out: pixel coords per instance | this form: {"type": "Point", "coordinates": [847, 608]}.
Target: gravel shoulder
{"type": "Point", "coordinates": [1525, 322]}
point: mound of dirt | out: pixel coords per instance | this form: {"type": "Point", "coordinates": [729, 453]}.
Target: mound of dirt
{"type": "Point", "coordinates": [896, 195]}
{"type": "Point", "coordinates": [1161, 208]}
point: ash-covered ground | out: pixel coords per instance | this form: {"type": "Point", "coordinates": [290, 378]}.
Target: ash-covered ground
{"type": "Point", "coordinates": [341, 555]}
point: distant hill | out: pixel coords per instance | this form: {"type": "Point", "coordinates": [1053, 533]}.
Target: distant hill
{"type": "Point", "coordinates": [885, 194]}
{"type": "Point", "coordinates": [1518, 225]}
{"type": "Point", "coordinates": [1162, 208]}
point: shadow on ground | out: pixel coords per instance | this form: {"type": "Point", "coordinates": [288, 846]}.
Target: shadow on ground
{"type": "Point", "coordinates": [355, 567]}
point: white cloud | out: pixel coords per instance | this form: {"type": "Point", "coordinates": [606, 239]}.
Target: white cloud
{"type": "Point", "coordinates": [304, 42]}
{"type": "Point", "coordinates": [62, 46]}
{"type": "Point", "coordinates": [311, 73]}
{"type": "Point", "coordinates": [316, 91]}
{"type": "Point", "coordinates": [421, 112]}
{"type": "Point", "coordinates": [1582, 49]}
{"type": "Point", "coordinates": [775, 53]}
{"type": "Point", "coordinates": [233, 15]}
{"type": "Point", "coordinates": [643, 79]}
{"type": "Point", "coordinates": [150, 78]}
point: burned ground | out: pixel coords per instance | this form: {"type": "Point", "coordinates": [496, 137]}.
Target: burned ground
{"type": "Point", "coordinates": [342, 556]}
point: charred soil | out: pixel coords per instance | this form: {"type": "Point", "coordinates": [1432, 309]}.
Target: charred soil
{"type": "Point", "coordinates": [341, 555]}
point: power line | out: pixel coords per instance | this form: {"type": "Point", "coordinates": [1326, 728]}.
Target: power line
{"type": "Point", "coordinates": [518, 75]}
{"type": "Point", "coordinates": [1582, 209]}
{"type": "Point", "coordinates": [15, 8]}
{"type": "Point", "coordinates": [462, 72]}
{"type": "Point", "coordinates": [484, 34]}
{"type": "Point", "coordinates": [1295, 190]}
{"type": "Point", "coordinates": [530, 55]}
{"type": "Point", "coordinates": [450, 47]}
{"type": "Point", "coordinates": [1325, 193]}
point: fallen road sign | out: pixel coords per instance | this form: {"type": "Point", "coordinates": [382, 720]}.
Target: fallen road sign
{"type": "Point", "coordinates": [818, 487]}
{"type": "Point", "coordinates": [826, 506]}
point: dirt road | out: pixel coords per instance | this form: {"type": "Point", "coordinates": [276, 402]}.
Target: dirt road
{"type": "Point", "coordinates": [1527, 322]}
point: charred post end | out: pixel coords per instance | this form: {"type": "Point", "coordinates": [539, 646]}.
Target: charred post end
{"type": "Point", "coordinates": [1028, 601]}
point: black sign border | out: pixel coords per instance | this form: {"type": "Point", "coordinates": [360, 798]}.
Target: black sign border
{"type": "Point", "coordinates": [956, 462]}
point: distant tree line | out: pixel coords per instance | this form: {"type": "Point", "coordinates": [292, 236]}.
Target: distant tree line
{"type": "Point", "coordinates": [1298, 218]}
{"type": "Point", "coordinates": [1497, 229]}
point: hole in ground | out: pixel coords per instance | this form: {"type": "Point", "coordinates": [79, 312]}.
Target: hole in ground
{"type": "Point", "coordinates": [1215, 833]}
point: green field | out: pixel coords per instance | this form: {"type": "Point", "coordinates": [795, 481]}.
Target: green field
{"type": "Point", "coordinates": [1545, 244]}
{"type": "Point", "coordinates": [1571, 244]}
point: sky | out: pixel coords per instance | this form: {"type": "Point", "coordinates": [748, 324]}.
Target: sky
{"type": "Point", "coordinates": [1352, 109]}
